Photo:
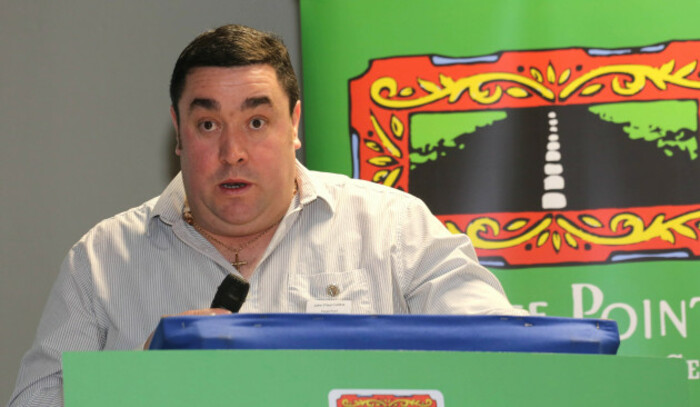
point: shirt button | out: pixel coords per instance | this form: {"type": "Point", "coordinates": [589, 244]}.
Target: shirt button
{"type": "Point", "coordinates": [333, 290]}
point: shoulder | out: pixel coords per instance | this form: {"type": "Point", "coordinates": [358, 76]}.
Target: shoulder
{"type": "Point", "coordinates": [369, 204]}
{"type": "Point", "coordinates": [124, 226]}
{"type": "Point", "coordinates": [341, 186]}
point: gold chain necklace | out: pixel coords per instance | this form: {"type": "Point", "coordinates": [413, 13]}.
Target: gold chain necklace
{"type": "Point", "coordinates": [237, 262]}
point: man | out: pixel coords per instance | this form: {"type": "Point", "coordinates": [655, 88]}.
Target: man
{"type": "Point", "coordinates": [243, 205]}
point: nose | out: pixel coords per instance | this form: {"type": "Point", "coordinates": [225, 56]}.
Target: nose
{"type": "Point", "coordinates": [232, 149]}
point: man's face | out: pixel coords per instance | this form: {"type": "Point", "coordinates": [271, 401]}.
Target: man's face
{"type": "Point", "coordinates": [236, 148]}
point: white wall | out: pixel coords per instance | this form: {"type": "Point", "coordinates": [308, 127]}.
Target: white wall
{"type": "Point", "coordinates": [84, 127]}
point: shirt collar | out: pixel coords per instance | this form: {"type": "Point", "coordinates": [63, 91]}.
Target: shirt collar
{"type": "Point", "coordinates": [311, 188]}
{"type": "Point", "coordinates": [171, 202]}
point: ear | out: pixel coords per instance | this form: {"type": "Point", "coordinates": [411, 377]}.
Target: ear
{"type": "Point", "coordinates": [173, 117]}
{"type": "Point", "coordinates": [296, 118]}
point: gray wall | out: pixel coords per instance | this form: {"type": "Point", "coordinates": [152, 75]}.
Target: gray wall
{"type": "Point", "coordinates": [85, 127]}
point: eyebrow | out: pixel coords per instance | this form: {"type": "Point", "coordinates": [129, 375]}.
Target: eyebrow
{"type": "Point", "coordinates": [208, 104]}
{"type": "Point", "coordinates": [211, 104]}
{"type": "Point", "coordinates": [252, 103]}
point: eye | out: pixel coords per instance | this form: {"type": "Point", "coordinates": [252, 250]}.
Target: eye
{"type": "Point", "coordinates": [207, 125]}
{"type": "Point", "coordinates": [257, 123]}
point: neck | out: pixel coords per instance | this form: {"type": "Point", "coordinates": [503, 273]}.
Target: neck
{"type": "Point", "coordinates": [242, 252]}
{"type": "Point", "coordinates": [222, 229]}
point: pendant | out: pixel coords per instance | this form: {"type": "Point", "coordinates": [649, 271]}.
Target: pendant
{"type": "Point", "coordinates": [237, 263]}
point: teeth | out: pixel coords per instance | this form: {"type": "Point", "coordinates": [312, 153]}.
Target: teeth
{"type": "Point", "coordinates": [234, 185]}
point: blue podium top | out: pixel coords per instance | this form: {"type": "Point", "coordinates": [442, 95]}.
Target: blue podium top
{"type": "Point", "coordinates": [388, 332]}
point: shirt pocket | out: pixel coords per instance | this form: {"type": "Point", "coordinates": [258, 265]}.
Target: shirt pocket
{"type": "Point", "coordinates": [350, 286]}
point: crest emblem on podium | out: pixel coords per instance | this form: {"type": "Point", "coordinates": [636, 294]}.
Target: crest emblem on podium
{"type": "Point", "coordinates": [385, 398]}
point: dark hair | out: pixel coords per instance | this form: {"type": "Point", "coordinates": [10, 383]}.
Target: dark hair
{"type": "Point", "coordinates": [235, 45]}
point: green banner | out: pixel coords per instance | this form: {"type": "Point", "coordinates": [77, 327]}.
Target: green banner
{"type": "Point", "coordinates": [562, 137]}
{"type": "Point", "coordinates": [269, 378]}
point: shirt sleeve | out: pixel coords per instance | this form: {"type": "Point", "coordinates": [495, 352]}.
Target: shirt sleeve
{"type": "Point", "coordinates": [68, 323]}
{"type": "Point", "coordinates": [441, 273]}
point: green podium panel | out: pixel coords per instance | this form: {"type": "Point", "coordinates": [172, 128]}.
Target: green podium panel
{"type": "Point", "coordinates": [308, 378]}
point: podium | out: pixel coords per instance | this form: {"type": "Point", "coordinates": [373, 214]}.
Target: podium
{"type": "Point", "coordinates": [389, 332]}
{"type": "Point", "coordinates": [307, 378]}
{"type": "Point", "coordinates": [311, 360]}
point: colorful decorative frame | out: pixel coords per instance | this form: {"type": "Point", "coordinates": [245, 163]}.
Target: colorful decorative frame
{"type": "Point", "coordinates": [385, 398]}
{"type": "Point", "coordinates": [392, 89]}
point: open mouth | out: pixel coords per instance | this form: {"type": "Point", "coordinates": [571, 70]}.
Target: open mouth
{"type": "Point", "coordinates": [233, 185]}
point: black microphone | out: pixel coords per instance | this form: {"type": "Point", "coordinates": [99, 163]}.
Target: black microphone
{"type": "Point", "coordinates": [231, 293]}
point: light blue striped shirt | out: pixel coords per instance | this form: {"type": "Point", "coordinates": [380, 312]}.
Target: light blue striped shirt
{"type": "Point", "coordinates": [381, 248]}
